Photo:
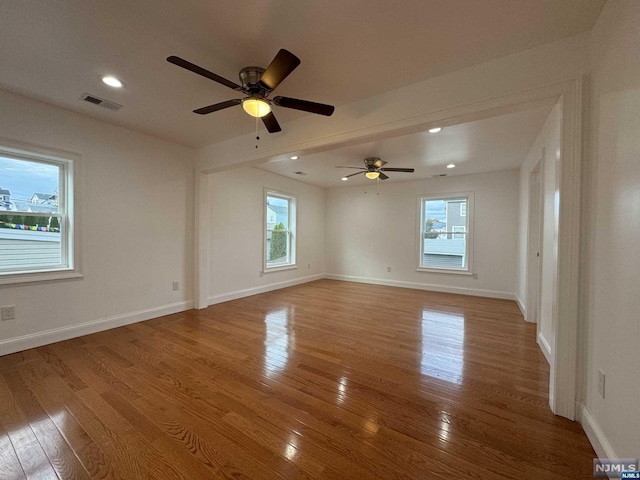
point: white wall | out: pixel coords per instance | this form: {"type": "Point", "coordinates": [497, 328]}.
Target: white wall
{"type": "Point", "coordinates": [611, 258]}
{"type": "Point", "coordinates": [366, 233]}
{"type": "Point", "coordinates": [548, 143]}
{"type": "Point", "coordinates": [137, 204]}
{"type": "Point", "coordinates": [236, 199]}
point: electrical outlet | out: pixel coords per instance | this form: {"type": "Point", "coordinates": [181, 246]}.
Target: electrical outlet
{"type": "Point", "coordinates": [601, 382]}
{"type": "Point", "coordinates": [8, 312]}
{"type": "Point", "coordinates": [176, 285]}
{"type": "Point", "coordinates": [388, 269]}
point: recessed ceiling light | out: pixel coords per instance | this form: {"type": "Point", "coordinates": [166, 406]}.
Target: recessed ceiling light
{"type": "Point", "coordinates": [435, 129]}
{"type": "Point", "coordinates": [344, 179]}
{"type": "Point", "coordinates": [294, 157]}
{"type": "Point", "coordinates": [112, 81]}
{"type": "Point", "coordinates": [451, 165]}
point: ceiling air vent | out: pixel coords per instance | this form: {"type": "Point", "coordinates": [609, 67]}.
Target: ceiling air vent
{"type": "Point", "coordinates": [301, 173]}
{"type": "Point", "coordinates": [440, 175]}
{"type": "Point", "coordinates": [100, 102]}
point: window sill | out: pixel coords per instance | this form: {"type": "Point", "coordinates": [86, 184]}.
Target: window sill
{"type": "Point", "coordinates": [279, 269]}
{"type": "Point", "coordinates": [444, 270]}
{"type": "Point", "coordinates": [32, 277]}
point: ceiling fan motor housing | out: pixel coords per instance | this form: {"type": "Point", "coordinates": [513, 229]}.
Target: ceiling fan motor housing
{"type": "Point", "coordinates": [250, 79]}
{"type": "Point", "coordinates": [371, 162]}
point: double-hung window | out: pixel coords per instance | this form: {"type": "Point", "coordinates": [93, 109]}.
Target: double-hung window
{"type": "Point", "coordinates": [279, 230]}
{"type": "Point", "coordinates": [445, 233]}
{"type": "Point", "coordinates": [38, 229]}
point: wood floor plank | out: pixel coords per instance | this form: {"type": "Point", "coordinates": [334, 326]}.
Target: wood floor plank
{"type": "Point", "coordinates": [10, 468]}
{"type": "Point", "coordinates": [47, 388]}
{"type": "Point", "coordinates": [326, 380]}
{"type": "Point", "coordinates": [28, 450]}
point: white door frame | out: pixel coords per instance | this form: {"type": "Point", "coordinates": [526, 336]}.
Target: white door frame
{"type": "Point", "coordinates": [565, 289]}
{"type": "Point", "coordinates": [534, 240]}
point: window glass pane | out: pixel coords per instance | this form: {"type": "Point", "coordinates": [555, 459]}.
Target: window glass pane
{"type": "Point", "coordinates": [441, 247]}
{"type": "Point", "coordinates": [30, 215]}
{"type": "Point", "coordinates": [278, 245]}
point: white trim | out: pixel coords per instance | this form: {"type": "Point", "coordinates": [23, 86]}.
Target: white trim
{"type": "Point", "coordinates": [46, 337]}
{"type": "Point", "coordinates": [248, 292]}
{"type": "Point", "coordinates": [448, 271]}
{"type": "Point", "coordinates": [288, 266]}
{"type": "Point", "coordinates": [424, 286]}
{"type": "Point", "coordinates": [523, 310]}
{"type": "Point", "coordinates": [202, 227]}
{"type": "Point", "coordinates": [544, 346]}
{"type": "Point", "coordinates": [564, 377]}
{"type": "Point", "coordinates": [596, 436]}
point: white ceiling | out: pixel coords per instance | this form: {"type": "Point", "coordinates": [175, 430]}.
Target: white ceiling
{"type": "Point", "coordinates": [56, 51]}
{"type": "Point", "coordinates": [487, 145]}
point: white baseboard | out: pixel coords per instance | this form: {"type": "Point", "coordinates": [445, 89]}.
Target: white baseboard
{"type": "Point", "coordinates": [545, 347]}
{"type": "Point", "coordinates": [523, 310]}
{"type": "Point", "coordinates": [46, 337]}
{"type": "Point", "coordinates": [595, 434]}
{"type": "Point", "coordinates": [226, 297]}
{"type": "Point", "coordinates": [424, 286]}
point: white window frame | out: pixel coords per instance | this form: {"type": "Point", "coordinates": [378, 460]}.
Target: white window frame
{"type": "Point", "coordinates": [469, 197]}
{"type": "Point", "coordinates": [70, 165]}
{"type": "Point", "coordinates": [292, 230]}
{"type": "Point", "coordinates": [463, 209]}
{"type": "Point", "coordinates": [458, 228]}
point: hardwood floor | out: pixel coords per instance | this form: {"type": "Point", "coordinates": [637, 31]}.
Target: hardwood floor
{"type": "Point", "coordinates": [326, 380]}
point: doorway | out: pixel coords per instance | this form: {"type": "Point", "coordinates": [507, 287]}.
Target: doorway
{"type": "Point", "coordinates": [534, 244]}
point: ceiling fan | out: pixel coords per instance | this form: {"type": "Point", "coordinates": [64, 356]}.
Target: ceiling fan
{"type": "Point", "coordinates": [257, 85]}
{"type": "Point", "coordinates": [373, 169]}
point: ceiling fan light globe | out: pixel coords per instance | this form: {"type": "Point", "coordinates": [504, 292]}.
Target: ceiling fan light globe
{"type": "Point", "coordinates": [372, 175]}
{"type": "Point", "coordinates": [256, 107]}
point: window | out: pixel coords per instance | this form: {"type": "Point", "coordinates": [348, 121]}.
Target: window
{"type": "Point", "coordinates": [445, 233]}
{"type": "Point", "coordinates": [38, 231]}
{"type": "Point", "coordinates": [458, 228]}
{"type": "Point", "coordinates": [280, 231]}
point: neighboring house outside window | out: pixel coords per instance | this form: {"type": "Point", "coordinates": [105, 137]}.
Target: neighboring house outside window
{"type": "Point", "coordinates": [445, 242]}
{"type": "Point", "coordinates": [280, 231]}
{"type": "Point", "coordinates": [38, 239]}
{"type": "Point", "coordinates": [5, 196]}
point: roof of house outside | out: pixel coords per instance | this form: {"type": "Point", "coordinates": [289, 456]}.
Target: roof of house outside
{"type": "Point", "coordinates": [44, 196]}
{"type": "Point", "coordinates": [27, 206]}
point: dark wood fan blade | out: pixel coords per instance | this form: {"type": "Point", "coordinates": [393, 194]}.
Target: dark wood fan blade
{"type": "Point", "coordinates": [356, 168]}
{"type": "Point", "coordinates": [382, 176]}
{"type": "Point", "coordinates": [280, 67]}
{"type": "Point", "coordinates": [201, 71]}
{"type": "Point", "coordinates": [271, 123]}
{"type": "Point", "coordinates": [304, 105]}
{"type": "Point", "coordinates": [353, 174]}
{"type": "Point", "coordinates": [217, 106]}
{"type": "Point", "coordinates": [379, 163]}
{"type": "Point", "coordinates": [407, 170]}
